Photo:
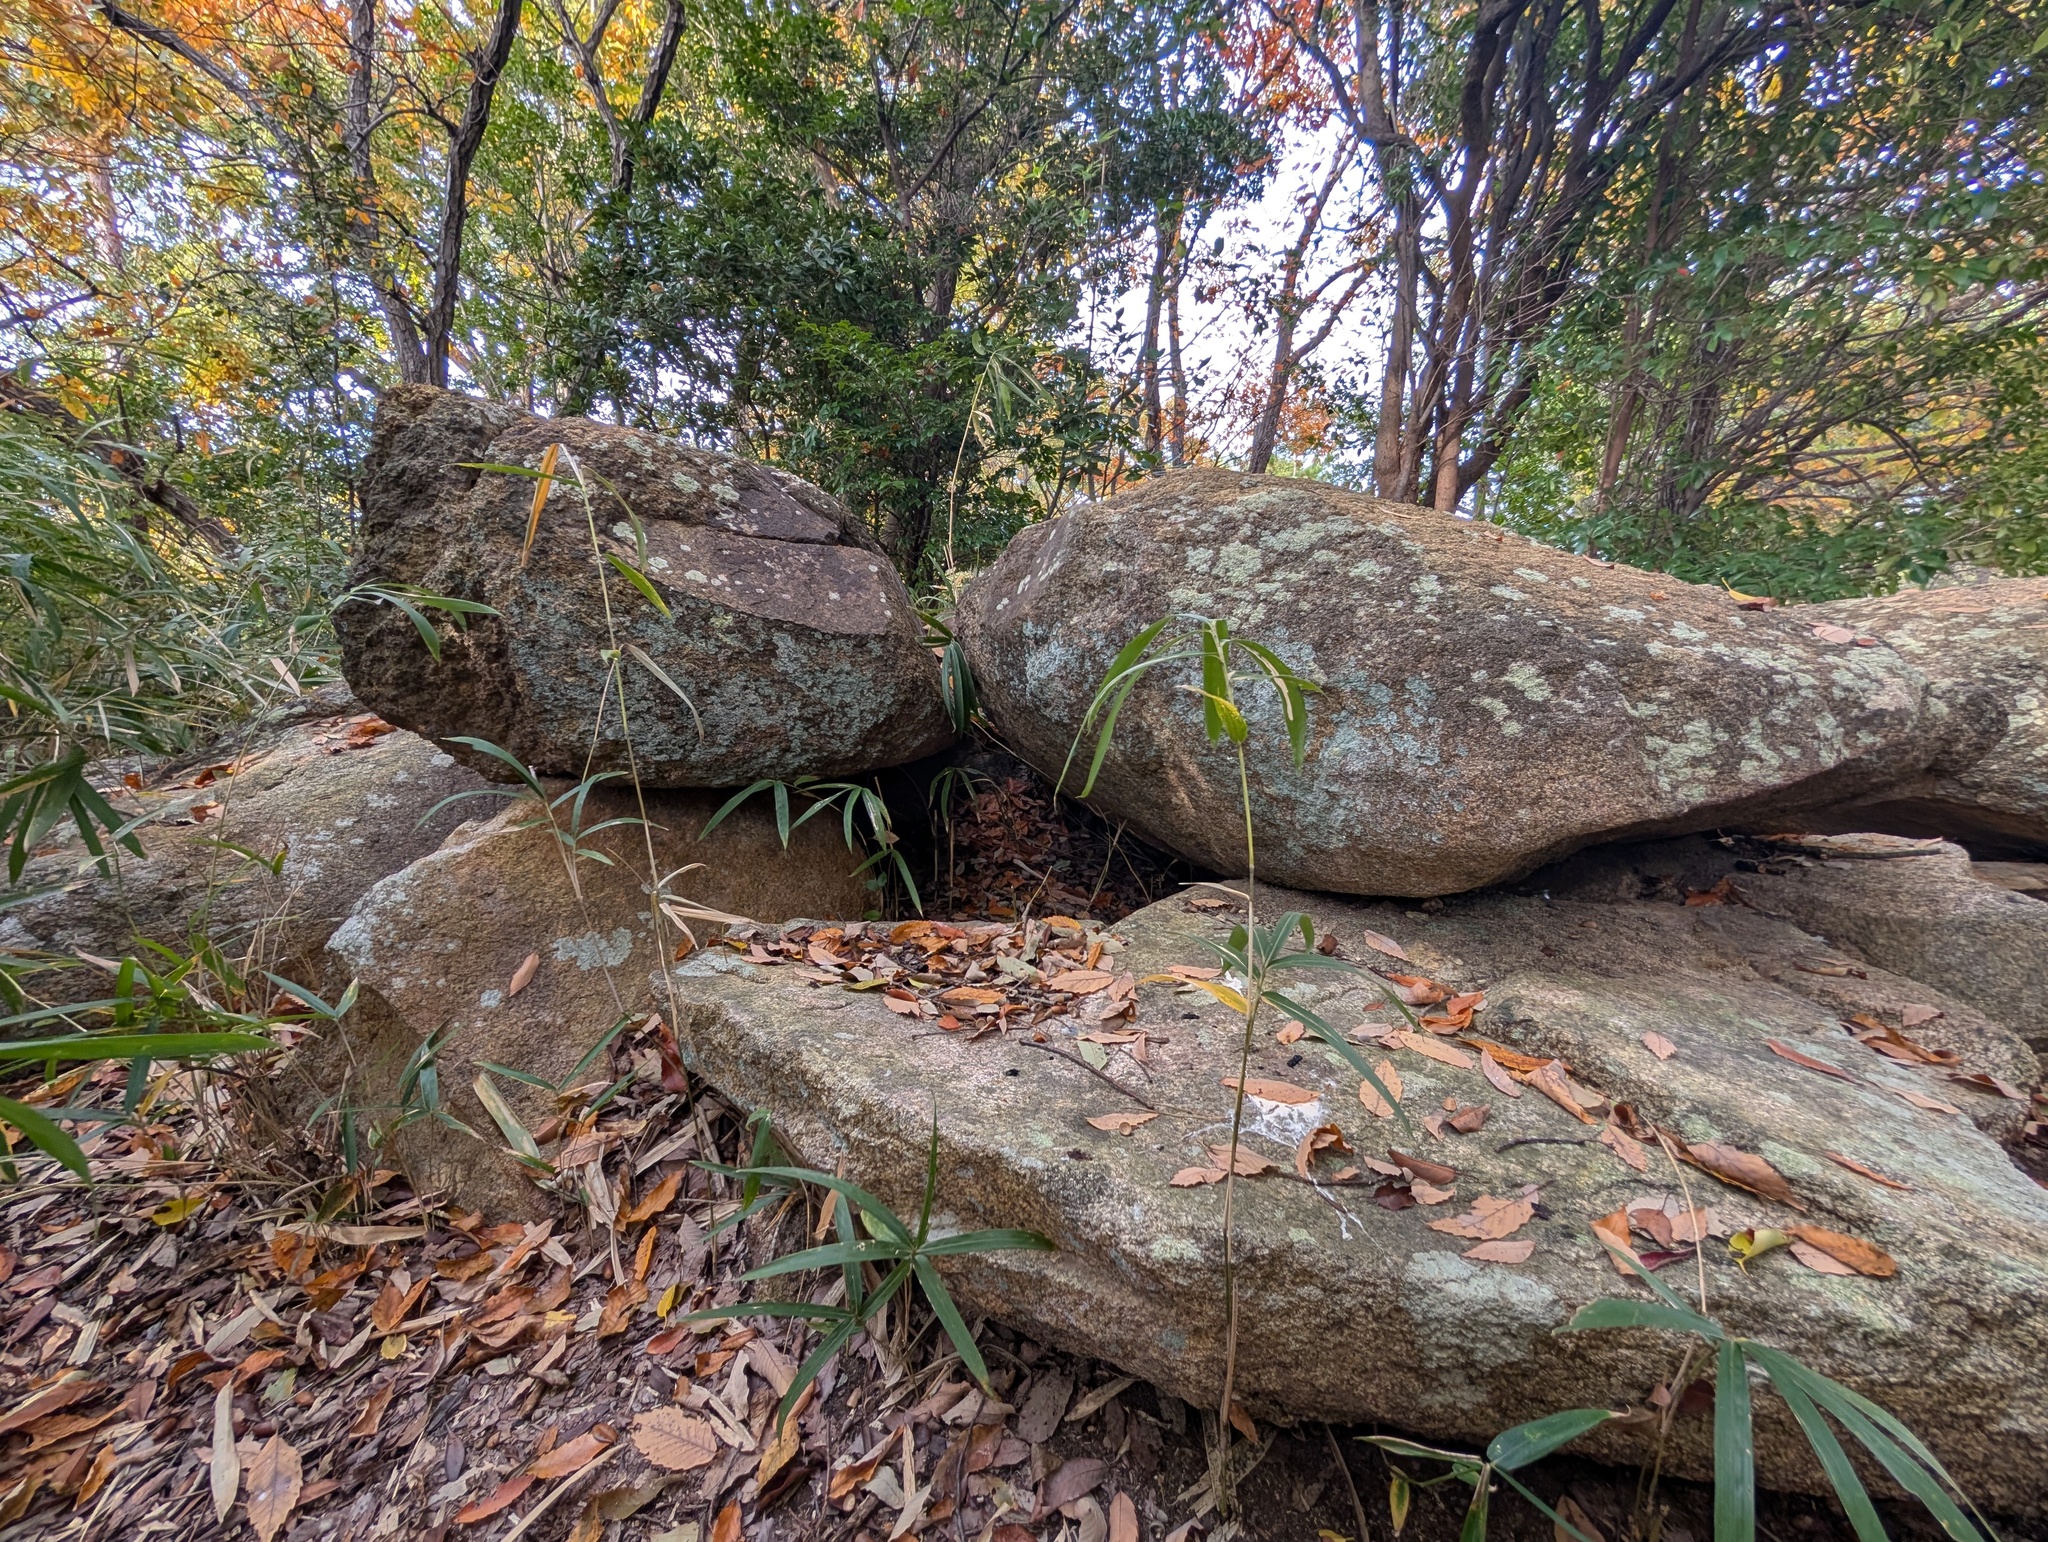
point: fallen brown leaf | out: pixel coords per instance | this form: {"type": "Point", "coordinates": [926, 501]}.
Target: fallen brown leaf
{"type": "Point", "coordinates": [1819, 1260]}
{"type": "Point", "coordinates": [1429, 1172]}
{"type": "Point", "coordinates": [570, 1456]}
{"type": "Point", "coordinates": [1196, 1177]}
{"type": "Point", "coordinates": [1123, 1123]}
{"type": "Point", "coordinates": [1422, 1044]}
{"type": "Point", "coordinates": [523, 975]}
{"type": "Point", "coordinates": [1074, 1477]}
{"type": "Point", "coordinates": [1498, 1252]}
{"type": "Point", "coordinates": [1324, 1138]}
{"type": "Point", "coordinates": [275, 1481]}
{"type": "Point", "coordinates": [1369, 1096]}
{"type": "Point", "coordinates": [1786, 1052]}
{"type": "Point", "coordinates": [654, 1201]}
{"type": "Point", "coordinates": [1550, 1080]}
{"type": "Point", "coordinates": [1489, 1219]}
{"type": "Point", "coordinates": [1386, 945]}
{"type": "Point", "coordinates": [727, 1527]}
{"type": "Point", "coordinates": [1863, 1257]}
{"type": "Point", "coordinates": [1742, 1169]}
{"type": "Point", "coordinates": [1272, 1091]}
{"type": "Point", "coordinates": [1123, 1520]}
{"type": "Point", "coordinates": [1490, 1068]}
{"type": "Point", "coordinates": [1614, 1230]}
{"type": "Point", "coordinates": [1861, 1171]}
{"type": "Point", "coordinates": [1659, 1046]}
{"type": "Point", "coordinates": [1471, 1119]}
{"type": "Point", "coordinates": [1625, 1146]}
{"type": "Point", "coordinates": [1249, 1163]}
{"type": "Point", "coordinates": [1922, 1100]}
{"type": "Point", "coordinates": [673, 1440]}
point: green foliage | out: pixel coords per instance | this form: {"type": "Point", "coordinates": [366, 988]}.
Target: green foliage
{"type": "Point", "coordinates": [1813, 1399]}
{"type": "Point", "coordinates": [161, 1007]}
{"type": "Point", "coordinates": [871, 1235]}
{"type": "Point", "coordinates": [864, 822]}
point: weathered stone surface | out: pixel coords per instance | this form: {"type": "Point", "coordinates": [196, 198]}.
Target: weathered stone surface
{"type": "Point", "coordinates": [1352, 1312]}
{"type": "Point", "coordinates": [1913, 907]}
{"type": "Point", "coordinates": [437, 947]}
{"type": "Point", "coordinates": [796, 642]}
{"type": "Point", "coordinates": [345, 802]}
{"type": "Point", "coordinates": [1489, 704]}
{"type": "Point", "coordinates": [1994, 634]}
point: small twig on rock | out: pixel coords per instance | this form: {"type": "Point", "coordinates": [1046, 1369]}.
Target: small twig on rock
{"type": "Point", "coordinates": [1547, 1140]}
{"type": "Point", "coordinates": [1053, 1049]}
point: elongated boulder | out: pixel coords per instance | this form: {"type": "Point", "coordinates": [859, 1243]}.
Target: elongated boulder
{"type": "Point", "coordinates": [790, 648]}
{"type": "Point", "coordinates": [487, 947]}
{"type": "Point", "coordinates": [1353, 1310]}
{"type": "Point", "coordinates": [1995, 634]}
{"type": "Point", "coordinates": [261, 847]}
{"type": "Point", "coordinates": [1488, 704]}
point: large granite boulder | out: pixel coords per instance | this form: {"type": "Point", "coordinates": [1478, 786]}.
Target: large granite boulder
{"type": "Point", "coordinates": [1994, 633]}
{"type": "Point", "coordinates": [1488, 704]}
{"type": "Point", "coordinates": [443, 948]}
{"type": "Point", "coordinates": [1915, 907]}
{"type": "Point", "coordinates": [798, 647]}
{"type": "Point", "coordinates": [1352, 1311]}
{"type": "Point", "coordinates": [260, 846]}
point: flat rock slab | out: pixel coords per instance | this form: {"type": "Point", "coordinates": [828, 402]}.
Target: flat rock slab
{"type": "Point", "coordinates": [796, 645]}
{"type": "Point", "coordinates": [1993, 633]}
{"type": "Point", "coordinates": [1355, 1312]}
{"type": "Point", "coordinates": [1916, 908]}
{"type": "Point", "coordinates": [320, 808]}
{"type": "Point", "coordinates": [1488, 704]}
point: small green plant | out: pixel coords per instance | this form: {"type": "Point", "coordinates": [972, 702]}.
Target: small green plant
{"type": "Point", "coordinates": [33, 802]}
{"type": "Point", "coordinates": [562, 813]}
{"type": "Point", "coordinates": [1813, 1399]}
{"type": "Point", "coordinates": [956, 677]}
{"type": "Point", "coordinates": [871, 1235]}
{"type": "Point", "coordinates": [856, 803]}
{"type": "Point", "coordinates": [1253, 955]}
{"type": "Point", "coordinates": [415, 602]}
{"type": "Point", "coordinates": [164, 1013]}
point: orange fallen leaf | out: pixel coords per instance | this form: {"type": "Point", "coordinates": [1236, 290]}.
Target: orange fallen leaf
{"type": "Point", "coordinates": [727, 1527]}
{"type": "Point", "coordinates": [1819, 1260]}
{"type": "Point", "coordinates": [1196, 1177]}
{"type": "Point", "coordinates": [1489, 1219]}
{"type": "Point", "coordinates": [1290, 1032]}
{"type": "Point", "coordinates": [393, 1303]}
{"type": "Point", "coordinates": [1625, 1146]}
{"type": "Point", "coordinates": [1922, 1100]}
{"type": "Point", "coordinates": [523, 975]}
{"type": "Point", "coordinates": [1786, 1052]}
{"type": "Point", "coordinates": [1123, 1123]}
{"type": "Point", "coordinates": [1512, 1252]}
{"type": "Point", "coordinates": [1386, 945]}
{"type": "Point", "coordinates": [1421, 1167]}
{"type": "Point", "coordinates": [1324, 1138]}
{"type": "Point", "coordinates": [1271, 1091]}
{"type": "Point", "coordinates": [1613, 1229]}
{"type": "Point", "coordinates": [1248, 1162]}
{"type": "Point", "coordinates": [1081, 982]}
{"type": "Point", "coordinates": [1741, 1169]}
{"type": "Point", "coordinates": [1550, 1080]}
{"type": "Point", "coordinates": [655, 1200]}
{"type": "Point", "coordinates": [1369, 1095]}
{"type": "Point", "coordinates": [570, 1456]}
{"type": "Point", "coordinates": [1415, 991]}
{"type": "Point", "coordinates": [1659, 1046]}
{"type": "Point", "coordinates": [1429, 1193]}
{"type": "Point", "coordinates": [1424, 1045]}
{"type": "Point", "coordinates": [1490, 1068]}
{"type": "Point", "coordinates": [506, 1493]}
{"type": "Point", "coordinates": [1861, 1171]}
{"type": "Point", "coordinates": [1863, 1257]}
{"type": "Point", "coordinates": [1123, 1520]}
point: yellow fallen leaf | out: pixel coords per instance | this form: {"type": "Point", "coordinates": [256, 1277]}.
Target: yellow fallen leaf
{"type": "Point", "coordinates": [172, 1211]}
